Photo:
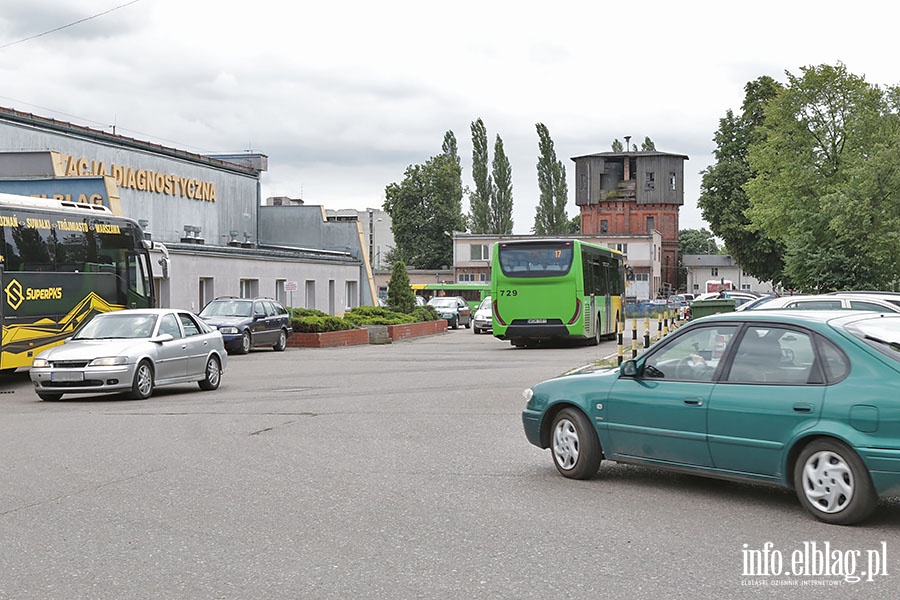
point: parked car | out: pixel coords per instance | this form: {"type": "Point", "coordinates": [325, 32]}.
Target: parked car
{"type": "Point", "coordinates": [829, 302]}
{"type": "Point", "coordinates": [132, 351]}
{"type": "Point", "coordinates": [482, 321]}
{"type": "Point", "coordinates": [247, 323]}
{"type": "Point", "coordinates": [804, 400]}
{"type": "Point", "coordinates": [455, 309]}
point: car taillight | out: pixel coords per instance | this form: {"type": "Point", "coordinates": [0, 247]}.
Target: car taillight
{"type": "Point", "coordinates": [497, 313]}
{"type": "Point", "coordinates": [577, 311]}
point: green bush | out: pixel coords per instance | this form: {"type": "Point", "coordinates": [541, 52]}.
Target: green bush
{"type": "Point", "coordinates": [425, 313]}
{"type": "Point", "coordinates": [307, 312]}
{"type": "Point", "coordinates": [320, 324]}
{"type": "Point", "coordinates": [377, 315]}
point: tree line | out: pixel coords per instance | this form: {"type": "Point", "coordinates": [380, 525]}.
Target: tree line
{"type": "Point", "coordinates": [426, 206]}
{"type": "Point", "coordinates": [805, 188]}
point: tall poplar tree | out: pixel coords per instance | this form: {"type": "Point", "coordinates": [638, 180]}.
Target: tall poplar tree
{"type": "Point", "coordinates": [480, 199]}
{"type": "Point", "coordinates": [449, 146]}
{"type": "Point", "coordinates": [501, 193]}
{"type": "Point", "coordinates": [550, 217]}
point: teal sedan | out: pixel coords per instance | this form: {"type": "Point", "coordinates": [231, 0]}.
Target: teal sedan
{"type": "Point", "coordinates": [805, 400]}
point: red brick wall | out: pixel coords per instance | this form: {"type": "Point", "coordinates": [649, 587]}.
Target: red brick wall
{"type": "Point", "coordinates": [410, 330]}
{"type": "Point", "coordinates": [331, 339]}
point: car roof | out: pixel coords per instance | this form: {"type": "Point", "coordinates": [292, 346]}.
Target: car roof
{"type": "Point", "coordinates": [833, 318]}
{"type": "Point", "coordinates": [776, 303]}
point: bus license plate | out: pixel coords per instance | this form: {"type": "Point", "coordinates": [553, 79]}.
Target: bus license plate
{"type": "Point", "coordinates": [67, 376]}
{"type": "Point", "coordinates": [537, 321]}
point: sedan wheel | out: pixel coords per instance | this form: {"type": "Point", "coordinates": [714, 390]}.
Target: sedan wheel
{"type": "Point", "coordinates": [574, 445]}
{"type": "Point", "coordinates": [142, 387]}
{"type": "Point", "coordinates": [213, 374]}
{"type": "Point", "coordinates": [281, 344]}
{"type": "Point", "coordinates": [833, 484]}
{"type": "Point", "coordinates": [246, 343]}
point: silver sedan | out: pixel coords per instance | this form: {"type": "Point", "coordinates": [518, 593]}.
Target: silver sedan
{"type": "Point", "coordinates": [132, 351]}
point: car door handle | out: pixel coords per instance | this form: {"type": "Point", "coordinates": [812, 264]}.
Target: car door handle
{"type": "Point", "coordinates": [694, 401]}
{"type": "Point", "coordinates": [803, 407]}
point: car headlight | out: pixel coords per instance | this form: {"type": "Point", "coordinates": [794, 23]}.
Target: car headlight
{"type": "Point", "coordinates": [107, 361]}
{"type": "Point", "coordinates": [228, 329]}
{"type": "Point", "coordinates": [40, 363]}
{"type": "Point", "coordinates": [527, 394]}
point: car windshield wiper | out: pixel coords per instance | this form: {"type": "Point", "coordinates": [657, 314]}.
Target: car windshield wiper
{"type": "Point", "coordinates": [892, 345]}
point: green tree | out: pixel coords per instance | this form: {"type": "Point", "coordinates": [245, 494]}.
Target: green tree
{"type": "Point", "coordinates": [724, 202]}
{"type": "Point", "coordinates": [697, 241]}
{"type": "Point", "coordinates": [550, 217]}
{"type": "Point", "coordinates": [501, 192]}
{"type": "Point", "coordinates": [425, 208]}
{"type": "Point", "coordinates": [400, 294]}
{"type": "Point", "coordinates": [825, 182]}
{"type": "Point", "coordinates": [480, 199]}
{"type": "Point", "coordinates": [449, 146]}
{"type": "Point", "coordinates": [617, 146]}
{"type": "Point", "coordinates": [648, 145]}
{"type": "Point", "coordinates": [575, 225]}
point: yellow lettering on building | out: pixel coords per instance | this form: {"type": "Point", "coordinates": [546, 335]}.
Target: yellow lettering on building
{"type": "Point", "coordinates": [51, 293]}
{"type": "Point", "coordinates": [142, 179]}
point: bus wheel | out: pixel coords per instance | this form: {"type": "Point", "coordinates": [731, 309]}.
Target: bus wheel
{"type": "Point", "coordinates": [595, 339]}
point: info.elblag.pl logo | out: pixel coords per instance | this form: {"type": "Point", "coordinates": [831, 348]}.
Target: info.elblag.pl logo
{"type": "Point", "coordinates": [811, 563]}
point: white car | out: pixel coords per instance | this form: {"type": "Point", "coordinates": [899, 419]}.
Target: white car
{"type": "Point", "coordinates": [132, 351]}
{"type": "Point", "coordinates": [828, 302]}
{"type": "Point", "coordinates": [482, 319]}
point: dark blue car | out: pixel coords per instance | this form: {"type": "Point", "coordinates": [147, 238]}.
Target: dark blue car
{"type": "Point", "coordinates": [249, 323]}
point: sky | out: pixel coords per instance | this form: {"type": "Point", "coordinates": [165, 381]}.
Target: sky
{"type": "Point", "coordinates": [343, 96]}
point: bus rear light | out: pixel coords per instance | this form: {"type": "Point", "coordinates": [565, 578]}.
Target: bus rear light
{"type": "Point", "coordinates": [497, 314]}
{"type": "Point", "coordinates": [577, 311]}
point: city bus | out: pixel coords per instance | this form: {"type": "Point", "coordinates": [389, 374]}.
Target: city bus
{"type": "Point", "coordinates": [556, 289]}
{"type": "Point", "coordinates": [61, 263]}
{"type": "Point", "coordinates": [474, 293]}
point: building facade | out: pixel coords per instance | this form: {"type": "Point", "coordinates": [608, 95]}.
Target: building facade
{"type": "Point", "coordinates": [203, 209]}
{"type": "Point", "coordinates": [705, 269]}
{"type": "Point", "coordinates": [633, 193]}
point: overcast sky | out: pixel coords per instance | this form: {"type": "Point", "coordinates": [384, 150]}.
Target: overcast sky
{"type": "Point", "coordinates": [343, 96]}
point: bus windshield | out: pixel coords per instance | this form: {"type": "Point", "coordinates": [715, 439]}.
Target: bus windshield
{"type": "Point", "coordinates": [535, 260]}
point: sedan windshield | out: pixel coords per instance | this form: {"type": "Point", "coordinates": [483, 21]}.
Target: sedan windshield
{"type": "Point", "coordinates": [227, 308]}
{"type": "Point", "coordinates": [443, 302]}
{"type": "Point", "coordinates": [114, 326]}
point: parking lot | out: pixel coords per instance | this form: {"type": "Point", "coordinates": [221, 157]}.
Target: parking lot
{"type": "Point", "coordinates": [396, 471]}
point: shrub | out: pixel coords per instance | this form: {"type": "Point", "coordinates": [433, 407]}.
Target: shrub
{"type": "Point", "coordinates": [320, 324]}
{"type": "Point", "coordinates": [400, 295]}
{"type": "Point", "coordinates": [425, 313]}
{"type": "Point", "coordinates": [377, 315]}
{"type": "Point", "coordinates": [307, 312]}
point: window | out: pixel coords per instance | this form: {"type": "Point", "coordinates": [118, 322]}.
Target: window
{"type": "Point", "coordinates": [672, 182]}
{"type": "Point", "coordinates": [190, 327]}
{"type": "Point", "coordinates": [623, 248]}
{"type": "Point", "coordinates": [650, 224]}
{"type": "Point", "coordinates": [714, 272]}
{"type": "Point", "coordinates": [249, 288]}
{"type": "Point", "coordinates": [310, 292]}
{"type": "Point", "coordinates": [745, 286]}
{"type": "Point", "coordinates": [642, 276]}
{"type": "Point", "coordinates": [773, 355]}
{"type": "Point", "coordinates": [280, 294]}
{"type": "Point", "coordinates": [479, 252]}
{"type": "Point", "coordinates": [584, 180]}
{"type": "Point", "coordinates": [604, 226]}
{"type": "Point", "coordinates": [650, 181]}
{"type": "Point", "coordinates": [693, 356]}
{"type": "Point", "coordinates": [206, 291]}
{"type": "Point", "coordinates": [351, 293]}
{"type": "Point", "coordinates": [168, 324]}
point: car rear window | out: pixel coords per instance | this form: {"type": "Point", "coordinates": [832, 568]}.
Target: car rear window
{"type": "Point", "coordinates": [882, 333]}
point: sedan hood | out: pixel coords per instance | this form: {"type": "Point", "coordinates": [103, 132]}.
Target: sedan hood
{"type": "Point", "coordinates": [90, 349]}
{"type": "Point", "coordinates": [225, 321]}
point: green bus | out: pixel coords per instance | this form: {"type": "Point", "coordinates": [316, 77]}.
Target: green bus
{"type": "Point", "coordinates": [545, 290]}
{"type": "Point", "coordinates": [60, 264]}
{"type": "Point", "coordinates": [474, 293]}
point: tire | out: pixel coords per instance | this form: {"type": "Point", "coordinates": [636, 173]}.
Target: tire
{"type": "Point", "coordinates": [142, 386]}
{"type": "Point", "coordinates": [49, 396]}
{"type": "Point", "coordinates": [595, 341]}
{"type": "Point", "coordinates": [833, 484]}
{"type": "Point", "coordinates": [281, 344]}
{"type": "Point", "coordinates": [246, 343]}
{"type": "Point", "coordinates": [455, 324]}
{"type": "Point", "coordinates": [476, 331]}
{"type": "Point", "coordinates": [574, 445]}
{"type": "Point", "coordinates": [213, 375]}
{"type": "Point", "coordinates": [469, 323]}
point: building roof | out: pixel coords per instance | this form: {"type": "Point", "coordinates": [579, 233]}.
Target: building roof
{"type": "Point", "coordinates": [635, 154]}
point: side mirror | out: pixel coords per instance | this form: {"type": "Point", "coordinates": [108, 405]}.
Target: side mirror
{"type": "Point", "coordinates": [629, 369]}
{"type": "Point", "coordinates": [163, 337]}
{"type": "Point", "coordinates": [259, 316]}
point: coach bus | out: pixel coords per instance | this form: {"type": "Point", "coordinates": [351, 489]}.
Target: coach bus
{"type": "Point", "coordinates": [474, 293]}
{"type": "Point", "coordinates": [556, 289]}
{"type": "Point", "coordinates": [61, 263]}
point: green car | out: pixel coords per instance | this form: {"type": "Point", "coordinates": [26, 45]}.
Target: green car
{"type": "Point", "coordinates": [806, 400]}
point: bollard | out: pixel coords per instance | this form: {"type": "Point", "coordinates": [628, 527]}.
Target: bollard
{"type": "Point", "coordinates": [659, 322]}
{"type": "Point", "coordinates": [646, 332]}
{"type": "Point", "coordinates": [620, 330]}
{"type": "Point", "coordinates": [633, 338]}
